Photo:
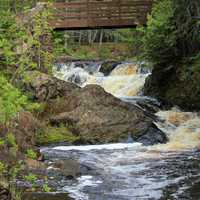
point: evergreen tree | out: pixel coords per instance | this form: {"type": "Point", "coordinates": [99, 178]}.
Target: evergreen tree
{"type": "Point", "coordinates": [172, 31]}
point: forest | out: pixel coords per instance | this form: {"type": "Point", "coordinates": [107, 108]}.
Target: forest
{"type": "Point", "coordinates": [92, 114]}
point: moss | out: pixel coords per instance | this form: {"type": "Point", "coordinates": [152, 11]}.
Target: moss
{"type": "Point", "coordinates": [30, 153]}
{"type": "Point", "coordinates": [29, 78]}
{"type": "Point", "coordinates": [55, 134]}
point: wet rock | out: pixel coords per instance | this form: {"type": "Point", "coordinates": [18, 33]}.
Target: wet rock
{"type": "Point", "coordinates": [34, 164]}
{"type": "Point", "coordinates": [108, 66]}
{"type": "Point", "coordinates": [69, 168]}
{"type": "Point", "coordinates": [153, 136]}
{"type": "Point", "coordinates": [149, 105]}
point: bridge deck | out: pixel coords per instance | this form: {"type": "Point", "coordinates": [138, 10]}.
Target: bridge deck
{"type": "Point", "coordinates": [100, 13]}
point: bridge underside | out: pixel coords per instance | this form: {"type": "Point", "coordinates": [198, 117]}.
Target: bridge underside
{"type": "Point", "coordinates": [82, 25]}
{"type": "Point", "coordinates": [94, 14]}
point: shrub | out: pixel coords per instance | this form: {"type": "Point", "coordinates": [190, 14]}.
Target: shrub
{"type": "Point", "coordinates": [173, 31]}
{"type": "Point", "coordinates": [160, 40]}
{"type": "Point", "coordinates": [32, 178]}
{"type": "Point", "coordinates": [10, 138]}
{"type": "Point", "coordinates": [46, 188]}
{"type": "Point", "coordinates": [31, 154]}
{"type": "Point", "coordinates": [12, 101]}
{"type": "Point", "coordinates": [2, 168]}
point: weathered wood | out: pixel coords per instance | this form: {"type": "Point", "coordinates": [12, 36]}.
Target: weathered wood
{"type": "Point", "coordinates": [100, 14]}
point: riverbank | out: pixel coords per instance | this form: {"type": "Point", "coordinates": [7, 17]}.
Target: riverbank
{"type": "Point", "coordinates": [105, 51]}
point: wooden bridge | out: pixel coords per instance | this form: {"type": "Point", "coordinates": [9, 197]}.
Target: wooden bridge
{"type": "Point", "coordinates": [90, 14]}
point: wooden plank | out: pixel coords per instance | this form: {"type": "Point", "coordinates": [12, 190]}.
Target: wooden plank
{"type": "Point", "coordinates": [93, 13]}
{"type": "Point", "coordinates": [101, 4]}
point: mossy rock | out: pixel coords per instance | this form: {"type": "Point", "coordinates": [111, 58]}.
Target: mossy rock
{"type": "Point", "coordinates": [42, 87]}
{"type": "Point", "coordinates": [51, 134]}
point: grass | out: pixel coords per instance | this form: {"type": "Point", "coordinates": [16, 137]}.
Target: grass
{"type": "Point", "coordinates": [55, 134]}
{"type": "Point", "coordinates": [109, 51]}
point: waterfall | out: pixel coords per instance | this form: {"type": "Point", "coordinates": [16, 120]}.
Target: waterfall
{"type": "Point", "coordinates": [125, 80]}
{"type": "Point", "coordinates": [182, 128]}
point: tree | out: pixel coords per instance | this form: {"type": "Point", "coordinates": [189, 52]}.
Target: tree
{"type": "Point", "coordinates": [172, 31]}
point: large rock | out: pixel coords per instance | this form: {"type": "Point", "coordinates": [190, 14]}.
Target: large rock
{"type": "Point", "coordinates": [152, 136]}
{"type": "Point", "coordinates": [44, 87]}
{"type": "Point", "coordinates": [98, 117]}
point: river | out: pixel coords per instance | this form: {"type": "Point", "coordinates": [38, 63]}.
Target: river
{"type": "Point", "coordinates": [130, 171]}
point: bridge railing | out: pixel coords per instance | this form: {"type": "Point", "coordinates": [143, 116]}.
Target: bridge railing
{"type": "Point", "coordinates": [98, 13]}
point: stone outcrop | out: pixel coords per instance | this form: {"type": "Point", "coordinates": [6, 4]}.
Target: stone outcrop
{"type": "Point", "coordinates": [43, 87]}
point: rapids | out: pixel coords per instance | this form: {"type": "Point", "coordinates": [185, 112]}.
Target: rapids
{"type": "Point", "coordinates": [131, 171]}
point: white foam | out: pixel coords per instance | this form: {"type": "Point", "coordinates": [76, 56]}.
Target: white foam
{"type": "Point", "coordinates": [99, 147]}
{"type": "Point", "coordinates": [75, 191]}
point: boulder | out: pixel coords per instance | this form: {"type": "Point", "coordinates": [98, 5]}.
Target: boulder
{"type": "Point", "coordinates": [44, 87]}
{"type": "Point", "coordinates": [108, 66]}
{"type": "Point", "coordinates": [98, 117]}
{"type": "Point", "coordinates": [153, 136]}
{"type": "Point", "coordinates": [68, 167]}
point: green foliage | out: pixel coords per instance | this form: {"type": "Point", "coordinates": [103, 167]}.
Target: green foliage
{"type": "Point", "coordinates": [10, 138]}
{"type": "Point", "coordinates": [23, 47]}
{"type": "Point", "coordinates": [103, 53]}
{"type": "Point", "coordinates": [172, 31]}
{"type": "Point", "coordinates": [8, 32]}
{"type": "Point", "coordinates": [12, 101]}
{"type": "Point", "coordinates": [32, 178]}
{"type": "Point", "coordinates": [2, 168]}
{"type": "Point", "coordinates": [41, 32]}
{"type": "Point", "coordinates": [11, 142]}
{"type": "Point", "coordinates": [31, 154]}
{"type": "Point", "coordinates": [55, 134]}
{"type": "Point", "coordinates": [187, 27]}
{"type": "Point", "coordinates": [160, 40]}
{"type": "Point", "coordinates": [46, 188]}
{"type": "Point", "coordinates": [83, 53]}
{"type": "Point", "coordinates": [15, 170]}
{"type": "Point", "coordinates": [2, 142]}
